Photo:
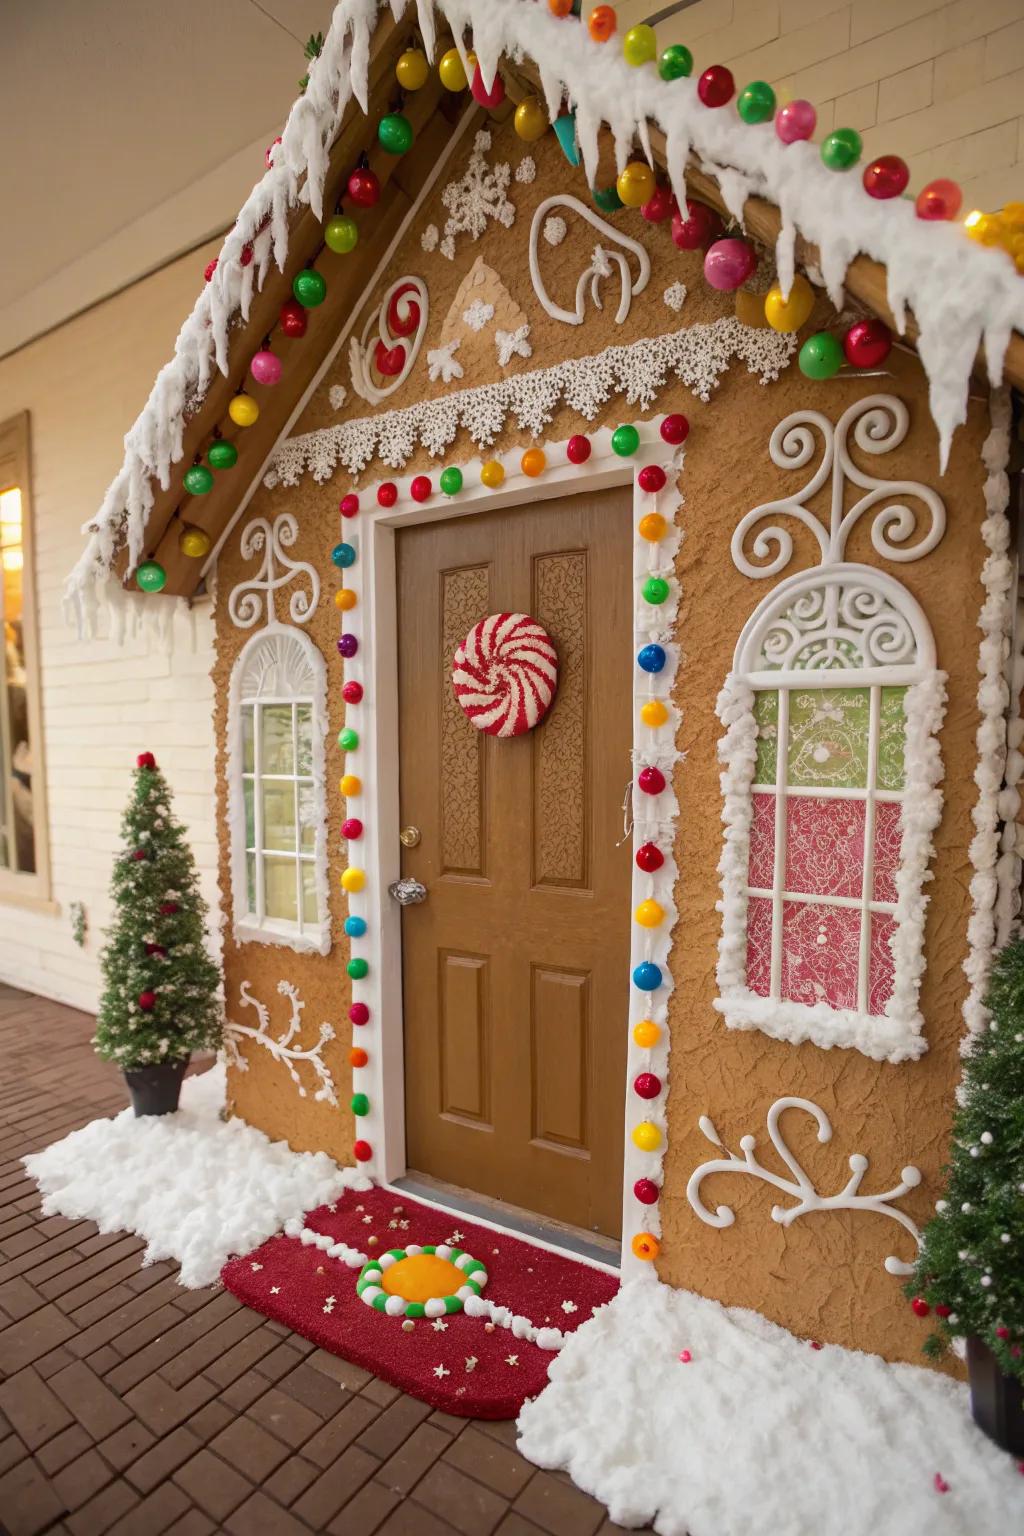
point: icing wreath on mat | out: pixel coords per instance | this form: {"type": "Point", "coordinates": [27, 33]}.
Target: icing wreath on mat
{"type": "Point", "coordinates": [415, 1281]}
{"type": "Point", "coordinates": [505, 674]}
{"type": "Point", "coordinates": [800, 1186]}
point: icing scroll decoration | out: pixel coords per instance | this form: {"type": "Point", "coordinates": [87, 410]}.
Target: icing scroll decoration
{"type": "Point", "coordinates": [246, 603]}
{"type": "Point", "coordinates": [283, 1048]}
{"type": "Point", "coordinates": [879, 424]}
{"type": "Point", "coordinates": [602, 265]}
{"type": "Point", "coordinates": [800, 1186]}
{"type": "Point", "coordinates": [401, 321]}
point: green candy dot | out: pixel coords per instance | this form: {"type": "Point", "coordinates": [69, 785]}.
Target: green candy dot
{"type": "Point", "coordinates": [821, 356]}
{"type": "Point", "coordinates": [222, 455]}
{"type": "Point", "coordinates": [379, 1302]}
{"type": "Point", "coordinates": [357, 969]}
{"type": "Point", "coordinates": [348, 739]}
{"type": "Point", "coordinates": [197, 480]}
{"type": "Point", "coordinates": [841, 149]}
{"type": "Point", "coordinates": [607, 199]}
{"type": "Point", "coordinates": [655, 589]}
{"type": "Point", "coordinates": [452, 1304]}
{"type": "Point", "coordinates": [309, 288]}
{"type": "Point", "coordinates": [415, 1309]}
{"type": "Point", "coordinates": [675, 62]}
{"type": "Point", "coordinates": [756, 103]}
{"type": "Point", "coordinates": [151, 576]}
{"type": "Point", "coordinates": [451, 481]}
{"type": "Point", "coordinates": [394, 133]}
{"type": "Point", "coordinates": [625, 441]}
{"type": "Point", "coordinates": [429, 1248]}
{"type": "Point", "coordinates": [360, 1104]}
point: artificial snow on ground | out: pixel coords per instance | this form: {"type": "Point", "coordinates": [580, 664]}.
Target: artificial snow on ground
{"type": "Point", "coordinates": [760, 1434]}
{"type": "Point", "coordinates": [196, 1187]}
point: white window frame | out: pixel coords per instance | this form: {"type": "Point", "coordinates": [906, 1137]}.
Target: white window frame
{"type": "Point", "coordinates": [280, 665]}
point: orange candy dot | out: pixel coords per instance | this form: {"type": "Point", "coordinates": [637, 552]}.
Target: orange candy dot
{"type": "Point", "coordinates": [357, 1056]}
{"type": "Point", "coordinates": [560, 7]}
{"type": "Point", "coordinates": [646, 1246]}
{"type": "Point", "coordinates": [345, 599]}
{"type": "Point", "coordinates": [602, 23]}
{"type": "Point", "coordinates": [350, 785]}
{"type": "Point", "coordinates": [646, 1033]}
{"type": "Point", "coordinates": [652, 527]}
{"type": "Point", "coordinates": [533, 462]}
{"type": "Point", "coordinates": [653, 713]}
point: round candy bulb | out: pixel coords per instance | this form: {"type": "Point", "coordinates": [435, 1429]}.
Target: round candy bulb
{"type": "Point", "coordinates": [452, 71]}
{"type": "Point", "coordinates": [716, 86]}
{"type": "Point", "coordinates": [795, 121]}
{"type": "Point", "coordinates": [655, 590]}
{"type": "Point", "coordinates": [660, 205]}
{"type": "Point", "coordinates": [646, 1136]}
{"type": "Point", "coordinates": [355, 927]}
{"type": "Point", "coordinates": [646, 1033]}
{"type": "Point", "coordinates": [352, 692]}
{"type": "Point", "coordinates": [651, 658]}
{"type": "Point", "coordinates": [650, 914]}
{"type": "Point", "coordinates": [350, 786]}
{"type": "Point", "coordinates": [222, 454]}
{"type": "Point", "coordinates": [420, 488]}
{"type": "Point", "coordinates": [412, 70]}
{"type": "Point", "coordinates": [607, 199]}
{"type": "Point", "coordinates": [359, 1013]}
{"type": "Point", "coordinates": [351, 831]}
{"type": "Point", "coordinates": [394, 134]}
{"type": "Point", "coordinates": [151, 576]}
{"type": "Point", "coordinates": [756, 102]}
{"type": "Point", "coordinates": [364, 187]}
{"type": "Point", "coordinates": [625, 441]}
{"type": "Point", "coordinates": [700, 226]}
{"type": "Point", "coordinates": [194, 543]}
{"type": "Point", "coordinates": [640, 45]}
{"type": "Point", "coordinates": [821, 356]}
{"type": "Point", "coordinates": [533, 462]}
{"type": "Point", "coordinates": [362, 1151]}
{"type": "Point", "coordinates": [348, 739]}
{"type": "Point", "coordinates": [348, 506]}
{"type": "Point", "coordinates": [649, 858]}
{"type": "Point", "coordinates": [647, 976]}
{"type": "Point", "coordinates": [676, 62]}
{"type": "Point", "coordinates": [243, 410]}
{"type": "Point", "coordinates": [645, 1246]}
{"type": "Point", "coordinates": [387, 494]}
{"type": "Point", "coordinates": [348, 645]}
{"type": "Point", "coordinates": [647, 1085]}
{"type": "Point", "coordinates": [601, 23]}
{"type": "Point", "coordinates": [788, 315]}
{"type": "Point", "coordinates": [651, 781]}
{"type": "Point", "coordinates": [654, 714]}
{"type": "Point", "coordinates": [635, 184]}
{"type": "Point", "coordinates": [940, 199]}
{"type": "Point", "coordinates": [352, 879]}
{"type": "Point", "coordinates": [675, 429]}
{"type": "Point", "coordinates": [867, 343]}
{"type": "Point", "coordinates": [345, 599]}
{"type": "Point", "coordinates": [652, 527]}
{"type": "Point", "coordinates": [293, 319]}
{"type": "Point", "coordinates": [646, 1191]}
{"type": "Point", "coordinates": [197, 480]}
{"type": "Point", "coordinates": [531, 119]}
{"type": "Point", "coordinates": [266, 367]}
{"type": "Point", "coordinates": [578, 449]}
{"type": "Point", "coordinates": [729, 263]}
{"type": "Point", "coordinates": [357, 1057]}
{"type": "Point", "coordinates": [560, 7]}
{"type": "Point", "coordinates": [341, 234]}
{"type": "Point", "coordinates": [886, 177]}
{"type": "Point", "coordinates": [358, 968]}
{"type": "Point", "coordinates": [451, 480]}
{"type": "Point", "coordinates": [309, 287]}
{"type": "Point", "coordinates": [343, 556]}
{"type": "Point", "coordinates": [492, 474]}
{"type": "Point", "coordinates": [841, 149]}
{"type": "Point", "coordinates": [485, 97]}
{"type": "Point", "coordinates": [651, 478]}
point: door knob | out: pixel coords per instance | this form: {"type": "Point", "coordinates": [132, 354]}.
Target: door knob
{"type": "Point", "coordinates": [409, 837]}
{"type": "Point", "coordinates": [407, 892]}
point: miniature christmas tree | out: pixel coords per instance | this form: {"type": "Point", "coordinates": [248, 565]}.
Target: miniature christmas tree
{"type": "Point", "coordinates": [970, 1271]}
{"type": "Point", "coordinates": [160, 987]}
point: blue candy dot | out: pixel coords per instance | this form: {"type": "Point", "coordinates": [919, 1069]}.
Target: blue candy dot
{"type": "Point", "coordinates": [343, 555]}
{"type": "Point", "coordinates": [355, 927]}
{"type": "Point", "coordinates": [651, 658]}
{"type": "Point", "coordinates": [647, 976]}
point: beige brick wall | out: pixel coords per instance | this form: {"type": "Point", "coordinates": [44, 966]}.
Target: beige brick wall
{"type": "Point", "coordinates": [940, 84]}
{"type": "Point", "coordinates": [83, 385]}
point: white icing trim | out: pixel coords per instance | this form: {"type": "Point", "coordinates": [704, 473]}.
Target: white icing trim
{"type": "Point", "coordinates": [310, 1238]}
{"type": "Point", "coordinates": [999, 580]}
{"type": "Point", "coordinates": [244, 604]}
{"type": "Point", "coordinates": [697, 357]}
{"type": "Point", "coordinates": [800, 1186]}
{"type": "Point", "coordinates": [600, 264]}
{"type": "Point", "coordinates": [361, 351]}
{"type": "Point", "coordinates": [281, 1047]}
{"type": "Point", "coordinates": [520, 1327]}
{"type": "Point", "coordinates": [276, 656]}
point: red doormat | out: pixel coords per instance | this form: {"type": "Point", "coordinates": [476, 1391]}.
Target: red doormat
{"type": "Point", "coordinates": [468, 1365]}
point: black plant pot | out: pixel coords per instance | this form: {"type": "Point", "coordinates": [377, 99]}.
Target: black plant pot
{"type": "Point", "coordinates": [997, 1401]}
{"type": "Point", "coordinates": [155, 1090]}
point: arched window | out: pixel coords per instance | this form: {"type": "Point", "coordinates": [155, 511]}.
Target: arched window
{"type": "Point", "coordinates": [277, 724]}
{"type": "Point", "coordinates": [831, 771]}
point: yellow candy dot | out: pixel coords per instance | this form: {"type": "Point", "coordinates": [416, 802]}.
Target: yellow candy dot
{"type": "Point", "coordinates": [653, 713]}
{"type": "Point", "coordinates": [652, 527]}
{"type": "Point", "coordinates": [639, 45]}
{"type": "Point", "coordinates": [790, 314]}
{"type": "Point", "coordinates": [645, 1246]}
{"type": "Point", "coordinates": [345, 599]}
{"type": "Point", "coordinates": [492, 474]}
{"type": "Point", "coordinates": [649, 914]}
{"type": "Point", "coordinates": [533, 462]}
{"type": "Point", "coordinates": [453, 76]}
{"type": "Point", "coordinates": [412, 69]}
{"type": "Point", "coordinates": [531, 119]}
{"type": "Point", "coordinates": [243, 410]}
{"type": "Point", "coordinates": [635, 185]}
{"type": "Point", "coordinates": [646, 1033]}
{"type": "Point", "coordinates": [350, 785]}
{"type": "Point", "coordinates": [420, 1276]}
{"type": "Point", "coordinates": [352, 879]}
{"type": "Point", "coordinates": [194, 542]}
{"type": "Point", "coordinates": [646, 1136]}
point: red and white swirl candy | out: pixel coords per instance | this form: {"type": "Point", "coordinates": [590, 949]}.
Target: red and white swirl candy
{"type": "Point", "coordinates": [505, 674]}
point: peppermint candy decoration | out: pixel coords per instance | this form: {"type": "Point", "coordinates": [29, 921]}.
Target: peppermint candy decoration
{"type": "Point", "coordinates": [505, 673]}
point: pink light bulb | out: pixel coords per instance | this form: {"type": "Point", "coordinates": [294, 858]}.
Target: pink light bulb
{"type": "Point", "coordinates": [796, 120]}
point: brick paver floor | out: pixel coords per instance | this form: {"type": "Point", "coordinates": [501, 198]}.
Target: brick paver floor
{"type": "Point", "coordinates": [130, 1405]}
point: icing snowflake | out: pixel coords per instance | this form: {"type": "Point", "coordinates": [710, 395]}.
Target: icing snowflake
{"type": "Point", "coordinates": [439, 1325]}
{"type": "Point", "coordinates": [255, 1267]}
{"type": "Point", "coordinates": [511, 1359]}
{"type": "Point", "coordinates": [675, 296]}
{"type": "Point", "coordinates": [471, 1362]}
{"type": "Point", "coordinates": [480, 194]}
{"type": "Point", "coordinates": [555, 229]}
{"type": "Point", "coordinates": [512, 344]}
{"type": "Point", "coordinates": [441, 363]}
{"type": "Point", "coordinates": [329, 1304]}
{"type": "Point", "coordinates": [526, 170]}
{"type": "Point", "coordinates": [441, 1370]}
{"type": "Point", "coordinates": [478, 314]}
{"type": "Point", "coordinates": [569, 1306]}
{"type": "Point", "coordinates": [275, 1290]}
{"type": "Point", "coordinates": [429, 238]}
{"type": "Point", "coordinates": [337, 395]}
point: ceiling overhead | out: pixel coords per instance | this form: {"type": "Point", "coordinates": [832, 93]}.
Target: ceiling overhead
{"type": "Point", "coordinates": [137, 128]}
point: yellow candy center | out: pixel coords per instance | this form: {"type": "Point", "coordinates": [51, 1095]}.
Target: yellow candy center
{"type": "Point", "coordinates": [421, 1276]}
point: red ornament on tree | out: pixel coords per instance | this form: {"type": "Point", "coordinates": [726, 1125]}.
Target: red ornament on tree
{"type": "Point", "coordinates": [1002, 1332]}
{"type": "Point", "coordinates": [649, 858]}
{"type": "Point", "coordinates": [886, 177]}
{"type": "Point", "coordinates": [941, 1310]}
{"type": "Point", "coordinates": [348, 506]}
{"type": "Point", "coordinates": [145, 760]}
{"type": "Point", "coordinates": [139, 855]}
{"type": "Point", "coordinates": [661, 205]}
{"type": "Point", "coordinates": [920, 1307]}
{"type": "Point", "coordinates": [351, 829]}
{"type": "Point", "coordinates": [577, 449]}
{"type": "Point", "coordinates": [387, 494]}
{"type": "Point", "coordinates": [352, 692]}
{"type": "Point", "coordinates": [293, 318]}
{"type": "Point", "coordinates": [646, 1085]}
{"type": "Point", "coordinates": [154, 949]}
{"type": "Point", "coordinates": [867, 344]}
{"type": "Point", "coordinates": [716, 86]}
{"type": "Point", "coordinates": [147, 1001]}
{"type": "Point", "coordinates": [651, 781]}
{"type": "Point", "coordinates": [363, 187]}
{"type": "Point", "coordinates": [420, 488]}
{"type": "Point", "coordinates": [168, 908]}
{"type": "Point", "coordinates": [646, 1191]}
{"type": "Point", "coordinates": [651, 478]}
{"type": "Point", "coordinates": [675, 429]}
{"type": "Point", "coordinates": [362, 1151]}
{"type": "Point", "coordinates": [701, 226]}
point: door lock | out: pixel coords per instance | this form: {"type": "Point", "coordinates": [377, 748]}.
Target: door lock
{"type": "Point", "coordinates": [409, 837]}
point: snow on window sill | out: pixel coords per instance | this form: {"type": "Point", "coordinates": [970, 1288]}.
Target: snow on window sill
{"type": "Point", "coordinates": [878, 1036]}
{"type": "Point", "coordinates": [312, 940]}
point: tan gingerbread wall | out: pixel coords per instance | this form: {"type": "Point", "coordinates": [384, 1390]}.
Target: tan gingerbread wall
{"type": "Point", "coordinates": [823, 1277]}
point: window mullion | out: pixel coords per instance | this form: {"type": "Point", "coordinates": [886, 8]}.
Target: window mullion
{"type": "Point", "coordinates": [867, 886]}
{"type": "Point", "coordinates": [257, 801]}
{"type": "Point", "coordinates": [779, 878]}
{"type": "Point", "coordinates": [295, 813]}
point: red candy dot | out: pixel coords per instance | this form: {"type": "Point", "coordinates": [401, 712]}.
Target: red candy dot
{"type": "Point", "coordinates": [359, 1014]}
{"type": "Point", "coordinates": [716, 86]}
{"type": "Point", "coordinates": [420, 488]}
{"type": "Point", "coordinates": [940, 199]}
{"type": "Point", "coordinates": [646, 1191]}
{"type": "Point", "coordinates": [577, 449]}
{"type": "Point", "coordinates": [352, 693]}
{"type": "Point", "coordinates": [352, 828]}
{"type": "Point", "coordinates": [675, 429]}
{"type": "Point", "coordinates": [815, 1344]}
{"type": "Point", "coordinates": [362, 1151]}
{"type": "Point", "coordinates": [210, 269]}
{"type": "Point", "coordinates": [649, 858]}
{"type": "Point", "coordinates": [246, 256]}
{"type": "Point", "coordinates": [647, 1085]}
{"type": "Point", "coordinates": [920, 1307]}
{"type": "Point", "coordinates": [867, 343]}
{"type": "Point", "coordinates": [661, 205]}
{"type": "Point", "coordinates": [349, 505]}
{"type": "Point", "coordinates": [651, 781]}
{"type": "Point", "coordinates": [651, 478]}
{"type": "Point", "coordinates": [685, 1356]}
{"type": "Point", "coordinates": [387, 494]}
{"type": "Point", "coordinates": [700, 227]}
{"type": "Point", "coordinates": [886, 177]}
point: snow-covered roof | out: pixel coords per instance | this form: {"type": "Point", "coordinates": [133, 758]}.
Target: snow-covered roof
{"type": "Point", "coordinates": [963, 295]}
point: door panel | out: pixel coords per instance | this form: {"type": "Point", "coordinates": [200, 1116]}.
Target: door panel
{"type": "Point", "coordinates": [516, 967]}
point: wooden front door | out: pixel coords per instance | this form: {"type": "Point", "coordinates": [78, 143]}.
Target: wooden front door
{"type": "Point", "coordinates": [516, 966]}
